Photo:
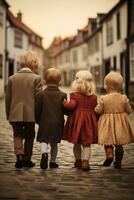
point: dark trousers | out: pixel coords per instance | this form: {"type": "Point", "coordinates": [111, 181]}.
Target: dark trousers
{"type": "Point", "coordinates": [24, 134]}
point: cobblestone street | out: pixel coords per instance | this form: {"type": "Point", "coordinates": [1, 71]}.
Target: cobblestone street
{"type": "Point", "coordinates": [66, 182]}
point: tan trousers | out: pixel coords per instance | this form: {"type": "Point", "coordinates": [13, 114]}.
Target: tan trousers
{"type": "Point", "coordinates": [82, 152]}
{"type": "Point", "coordinates": [24, 135]}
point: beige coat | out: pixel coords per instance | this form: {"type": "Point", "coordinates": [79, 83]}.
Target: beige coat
{"type": "Point", "coordinates": [114, 126]}
{"type": "Point", "coordinates": [20, 96]}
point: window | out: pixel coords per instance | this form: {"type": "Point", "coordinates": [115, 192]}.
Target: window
{"type": "Point", "coordinates": [18, 38]}
{"type": "Point", "coordinates": [75, 56]}
{"type": "Point", "coordinates": [118, 26]}
{"type": "Point", "coordinates": [1, 66]}
{"type": "Point", "coordinates": [132, 62]}
{"type": "Point", "coordinates": [109, 31]}
{"type": "Point", "coordinates": [93, 44]}
{"type": "Point", "coordinates": [1, 18]}
{"type": "Point", "coordinates": [114, 63]}
{"type": "Point", "coordinates": [67, 57]}
{"type": "Point", "coordinates": [96, 75]}
{"type": "Point", "coordinates": [84, 53]}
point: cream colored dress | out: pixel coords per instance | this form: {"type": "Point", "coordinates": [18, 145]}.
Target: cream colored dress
{"type": "Point", "coordinates": [114, 127]}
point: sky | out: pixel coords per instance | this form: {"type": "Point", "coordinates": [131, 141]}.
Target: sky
{"type": "Point", "coordinates": [51, 18]}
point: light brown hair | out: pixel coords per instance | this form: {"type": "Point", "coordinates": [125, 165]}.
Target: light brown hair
{"type": "Point", "coordinates": [113, 81]}
{"type": "Point", "coordinates": [29, 59]}
{"type": "Point", "coordinates": [52, 76]}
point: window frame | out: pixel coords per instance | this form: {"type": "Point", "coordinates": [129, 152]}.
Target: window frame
{"type": "Point", "coordinates": [131, 58]}
{"type": "Point", "coordinates": [118, 26]}
{"type": "Point", "coordinates": [18, 38]}
{"type": "Point", "coordinates": [1, 66]}
{"type": "Point", "coordinates": [1, 18]}
{"type": "Point", "coordinates": [109, 31]}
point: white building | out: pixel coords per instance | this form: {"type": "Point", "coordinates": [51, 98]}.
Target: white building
{"type": "Point", "coordinates": [114, 34]}
{"type": "Point", "coordinates": [3, 11]}
{"type": "Point", "coordinates": [21, 38]}
{"type": "Point", "coordinates": [17, 42]}
{"type": "Point", "coordinates": [70, 55]}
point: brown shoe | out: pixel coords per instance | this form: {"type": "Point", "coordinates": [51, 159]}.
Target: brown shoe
{"type": "Point", "coordinates": [85, 165]}
{"type": "Point", "coordinates": [78, 163]}
{"type": "Point", "coordinates": [109, 155]}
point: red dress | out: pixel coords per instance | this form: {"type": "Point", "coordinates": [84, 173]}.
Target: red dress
{"type": "Point", "coordinates": [81, 125]}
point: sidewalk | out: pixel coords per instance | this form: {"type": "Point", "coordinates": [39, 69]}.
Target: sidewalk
{"type": "Point", "coordinates": [66, 182]}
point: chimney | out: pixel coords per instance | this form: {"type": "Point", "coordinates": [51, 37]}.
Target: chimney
{"type": "Point", "coordinates": [19, 15]}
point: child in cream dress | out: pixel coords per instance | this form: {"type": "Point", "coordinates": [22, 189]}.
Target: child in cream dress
{"type": "Point", "coordinates": [114, 127]}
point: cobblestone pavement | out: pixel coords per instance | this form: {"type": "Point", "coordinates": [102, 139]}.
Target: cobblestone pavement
{"type": "Point", "coordinates": [66, 182]}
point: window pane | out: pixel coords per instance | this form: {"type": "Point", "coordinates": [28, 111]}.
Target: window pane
{"type": "Point", "coordinates": [132, 70]}
{"type": "Point", "coordinates": [1, 18]}
{"type": "Point", "coordinates": [1, 66]}
{"type": "Point", "coordinates": [18, 38]}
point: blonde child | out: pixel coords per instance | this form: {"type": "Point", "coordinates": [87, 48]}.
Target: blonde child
{"type": "Point", "coordinates": [114, 128]}
{"type": "Point", "coordinates": [50, 117]}
{"type": "Point", "coordinates": [81, 126]}
{"type": "Point", "coordinates": [20, 107]}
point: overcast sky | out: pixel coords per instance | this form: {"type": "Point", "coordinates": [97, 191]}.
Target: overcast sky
{"type": "Point", "coordinates": [50, 18]}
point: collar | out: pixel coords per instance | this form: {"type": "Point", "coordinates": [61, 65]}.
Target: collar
{"type": "Point", "coordinates": [25, 69]}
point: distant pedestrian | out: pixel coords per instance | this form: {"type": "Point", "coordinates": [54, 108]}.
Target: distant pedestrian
{"type": "Point", "coordinates": [50, 117]}
{"type": "Point", "coordinates": [20, 107]}
{"type": "Point", "coordinates": [81, 126]}
{"type": "Point", "coordinates": [114, 128]}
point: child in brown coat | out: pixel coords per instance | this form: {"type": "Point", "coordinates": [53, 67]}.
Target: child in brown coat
{"type": "Point", "coordinates": [50, 117]}
{"type": "Point", "coordinates": [20, 107]}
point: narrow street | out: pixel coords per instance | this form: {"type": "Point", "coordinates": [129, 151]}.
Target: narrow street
{"type": "Point", "coordinates": [66, 182]}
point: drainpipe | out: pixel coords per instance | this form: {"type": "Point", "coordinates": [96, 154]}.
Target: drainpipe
{"type": "Point", "coordinates": [6, 53]}
{"type": "Point", "coordinates": [127, 68]}
{"type": "Point", "coordinates": [102, 59]}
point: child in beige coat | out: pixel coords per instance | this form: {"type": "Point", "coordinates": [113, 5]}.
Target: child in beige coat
{"type": "Point", "coordinates": [114, 127]}
{"type": "Point", "coordinates": [20, 107]}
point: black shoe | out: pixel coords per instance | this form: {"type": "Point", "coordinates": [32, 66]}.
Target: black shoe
{"type": "Point", "coordinates": [19, 162]}
{"type": "Point", "coordinates": [44, 161]}
{"type": "Point", "coordinates": [108, 162]}
{"type": "Point", "coordinates": [117, 165]}
{"type": "Point", "coordinates": [53, 165]}
{"type": "Point", "coordinates": [29, 164]}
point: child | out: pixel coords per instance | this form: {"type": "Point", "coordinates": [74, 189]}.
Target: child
{"type": "Point", "coordinates": [81, 125]}
{"type": "Point", "coordinates": [50, 117]}
{"type": "Point", "coordinates": [20, 101]}
{"type": "Point", "coordinates": [114, 128]}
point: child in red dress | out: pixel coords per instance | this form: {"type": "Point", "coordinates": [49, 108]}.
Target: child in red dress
{"type": "Point", "coordinates": [81, 125]}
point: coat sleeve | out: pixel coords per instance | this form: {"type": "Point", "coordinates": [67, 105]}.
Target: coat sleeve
{"type": "Point", "coordinates": [38, 85]}
{"type": "Point", "coordinates": [8, 98]}
{"type": "Point", "coordinates": [70, 105]}
{"type": "Point", "coordinates": [99, 109]}
{"type": "Point", "coordinates": [38, 107]}
{"type": "Point", "coordinates": [128, 108]}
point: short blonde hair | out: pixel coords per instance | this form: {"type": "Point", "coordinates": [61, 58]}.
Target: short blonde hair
{"type": "Point", "coordinates": [113, 81]}
{"type": "Point", "coordinates": [52, 76]}
{"type": "Point", "coordinates": [29, 59]}
{"type": "Point", "coordinates": [83, 83]}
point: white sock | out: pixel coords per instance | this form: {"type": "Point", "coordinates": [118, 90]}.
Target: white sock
{"type": "Point", "coordinates": [44, 147]}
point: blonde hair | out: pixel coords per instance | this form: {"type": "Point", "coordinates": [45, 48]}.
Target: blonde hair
{"type": "Point", "coordinates": [52, 76]}
{"type": "Point", "coordinates": [83, 83]}
{"type": "Point", "coordinates": [113, 81]}
{"type": "Point", "coordinates": [29, 59]}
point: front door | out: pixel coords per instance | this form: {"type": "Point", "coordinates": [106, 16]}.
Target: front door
{"type": "Point", "coordinates": [11, 67]}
